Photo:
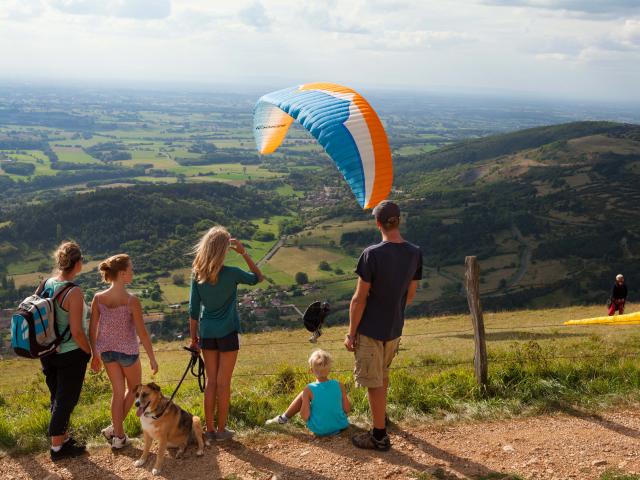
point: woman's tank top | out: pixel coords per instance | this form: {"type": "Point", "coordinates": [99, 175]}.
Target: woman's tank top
{"type": "Point", "coordinates": [62, 316]}
{"type": "Point", "coordinates": [116, 330]}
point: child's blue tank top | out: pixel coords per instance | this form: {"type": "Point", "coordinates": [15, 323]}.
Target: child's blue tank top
{"type": "Point", "coordinates": [327, 416]}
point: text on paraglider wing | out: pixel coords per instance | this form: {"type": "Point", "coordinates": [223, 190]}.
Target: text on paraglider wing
{"type": "Point", "coordinates": [262, 127]}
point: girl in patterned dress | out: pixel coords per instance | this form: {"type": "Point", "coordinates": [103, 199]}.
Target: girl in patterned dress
{"type": "Point", "coordinates": [116, 323]}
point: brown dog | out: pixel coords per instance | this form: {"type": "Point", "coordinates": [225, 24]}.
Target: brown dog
{"type": "Point", "coordinates": [165, 422]}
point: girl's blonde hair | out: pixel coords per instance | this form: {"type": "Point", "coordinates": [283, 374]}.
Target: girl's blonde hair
{"type": "Point", "coordinates": [209, 254]}
{"type": "Point", "coordinates": [320, 363]}
{"type": "Point", "coordinates": [66, 256]}
{"type": "Point", "coordinates": [110, 267]}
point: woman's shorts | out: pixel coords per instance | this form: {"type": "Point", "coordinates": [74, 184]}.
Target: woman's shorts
{"type": "Point", "coordinates": [228, 343]}
{"type": "Point", "coordinates": [124, 359]}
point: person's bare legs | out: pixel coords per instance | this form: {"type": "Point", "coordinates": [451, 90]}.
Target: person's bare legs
{"type": "Point", "coordinates": [294, 407]}
{"type": "Point", "coordinates": [211, 360]}
{"type": "Point", "coordinates": [378, 404]}
{"type": "Point", "coordinates": [227, 363]}
{"type": "Point", "coordinates": [116, 377]}
{"type": "Point", "coordinates": [133, 374]}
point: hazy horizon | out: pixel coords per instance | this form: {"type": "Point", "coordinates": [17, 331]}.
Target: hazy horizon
{"type": "Point", "coordinates": [570, 49]}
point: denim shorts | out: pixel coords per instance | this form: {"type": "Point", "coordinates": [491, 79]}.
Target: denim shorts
{"type": "Point", "coordinates": [124, 359]}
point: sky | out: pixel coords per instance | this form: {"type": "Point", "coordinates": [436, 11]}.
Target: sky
{"type": "Point", "coordinates": [573, 49]}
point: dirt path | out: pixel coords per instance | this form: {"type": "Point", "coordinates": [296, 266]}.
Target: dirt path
{"type": "Point", "coordinates": [567, 446]}
{"type": "Point", "coordinates": [272, 251]}
{"type": "Point", "coordinates": [525, 258]}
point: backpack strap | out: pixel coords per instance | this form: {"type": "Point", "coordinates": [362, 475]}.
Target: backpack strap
{"type": "Point", "coordinates": [63, 291]}
{"type": "Point", "coordinates": [40, 287]}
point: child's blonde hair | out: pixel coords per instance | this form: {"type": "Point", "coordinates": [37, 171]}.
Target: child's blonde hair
{"type": "Point", "coordinates": [209, 254]}
{"type": "Point", "coordinates": [320, 363]}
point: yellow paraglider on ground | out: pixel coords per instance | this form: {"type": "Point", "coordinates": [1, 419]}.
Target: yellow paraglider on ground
{"type": "Point", "coordinates": [627, 319]}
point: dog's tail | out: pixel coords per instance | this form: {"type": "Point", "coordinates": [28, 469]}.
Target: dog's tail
{"type": "Point", "coordinates": [199, 434]}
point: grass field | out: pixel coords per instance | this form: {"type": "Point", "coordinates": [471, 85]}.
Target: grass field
{"type": "Point", "coordinates": [33, 278]}
{"type": "Point", "coordinates": [536, 365]}
{"type": "Point", "coordinates": [73, 155]}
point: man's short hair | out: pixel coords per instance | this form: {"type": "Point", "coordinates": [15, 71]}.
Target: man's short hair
{"type": "Point", "coordinates": [388, 214]}
{"type": "Point", "coordinates": [619, 277]}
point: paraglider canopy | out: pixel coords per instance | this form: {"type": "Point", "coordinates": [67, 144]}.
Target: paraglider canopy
{"type": "Point", "coordinates": [343, 122]}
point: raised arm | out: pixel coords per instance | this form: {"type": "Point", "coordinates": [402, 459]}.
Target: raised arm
{"type": "Point", "coordinates": [239, 248]}
{"type": "Point", "coordinates": [141, 330]}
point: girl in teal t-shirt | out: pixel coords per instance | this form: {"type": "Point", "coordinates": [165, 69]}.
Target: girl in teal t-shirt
{"type": "Point", "coordinates": [323, 404]}
{"type": "Point", "coordinates": [213, 320]}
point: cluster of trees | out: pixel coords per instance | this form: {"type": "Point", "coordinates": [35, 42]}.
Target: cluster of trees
{"type": "Point", "coordinates": [158, 225]}
{"type": "Point", "coordinates": [9, 293]}
{"type": "Point", "coordinates": [18, 168]}
{"type": "Point", "coordinates": [216, 156]}
{"type": "Point", "coordinates": [109, 152]}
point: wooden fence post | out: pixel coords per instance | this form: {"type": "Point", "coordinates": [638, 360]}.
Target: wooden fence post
{"type": "Point", "coordinates": [472, 285]}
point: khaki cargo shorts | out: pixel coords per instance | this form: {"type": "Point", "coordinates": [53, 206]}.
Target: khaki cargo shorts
{"type": "Point", "coordinates": [373, 359]}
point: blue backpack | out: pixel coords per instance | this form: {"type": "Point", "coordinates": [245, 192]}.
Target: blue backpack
{"type": "Point", "coordinates": [34, 330]}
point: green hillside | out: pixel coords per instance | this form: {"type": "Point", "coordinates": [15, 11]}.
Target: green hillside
{"type": "Point", "coordinates": [549, 211]}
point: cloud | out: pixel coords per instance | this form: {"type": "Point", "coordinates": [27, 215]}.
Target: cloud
{"type": "Point", "coordinates": [629, 34]}
{"type": "Point", "coordinates": [387, 6]}
{"type": "Point", "coordinates": [417, 39]}
{"type": "Point", "coordinates": [323, 18]}
{"type": "Point", "coordinates": [593, 7]}
{"type": "Point", "coordinates": [135, 9]}
{"type": "Point", "coordinates": [20, 10]}
{"type": "Point", "coordinates": [255, 15]}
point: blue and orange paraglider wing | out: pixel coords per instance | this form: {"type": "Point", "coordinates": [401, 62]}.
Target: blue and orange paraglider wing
{"type": "Point", "coordinates": [343, 122]}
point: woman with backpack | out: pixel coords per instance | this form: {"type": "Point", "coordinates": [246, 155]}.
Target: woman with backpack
{"type": "Point", "coordinates": [214, 323]}
{"type": "Point", "coordinates": [64, 370]}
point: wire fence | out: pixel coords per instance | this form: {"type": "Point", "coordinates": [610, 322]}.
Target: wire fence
{"type": "Point", "coordinates": [337, 341]}
{"type": "Point", "coordinates": [437, 334]}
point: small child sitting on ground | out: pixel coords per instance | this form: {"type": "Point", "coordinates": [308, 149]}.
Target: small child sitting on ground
{"type": "Point", "coordinates": [323, 404]}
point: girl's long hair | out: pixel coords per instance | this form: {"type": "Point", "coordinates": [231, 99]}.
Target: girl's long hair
{"type": "Point", "coordinates": [209, 254]}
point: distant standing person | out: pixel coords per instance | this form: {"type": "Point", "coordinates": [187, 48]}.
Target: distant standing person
{"type": "Point", "coordinates": [116, 324]}
{"type": "Point", "coordinates": [64, 370]}
{"type": "Point", "coordinates": [618, 296]}
{"type": "Point", "coordinates": [388, 275]}
{"type": "Point", "coordinates": [214, 322]}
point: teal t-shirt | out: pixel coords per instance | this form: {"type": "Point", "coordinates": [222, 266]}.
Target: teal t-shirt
{"type": "Point", "coordinates": [215, 306]}
{"type": "Point", "coordinates": [327, 415]}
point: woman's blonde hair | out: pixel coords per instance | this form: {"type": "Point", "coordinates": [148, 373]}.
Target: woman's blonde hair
{"type": "Point", "coordinates": [320, 363]}
{"type": "Point", "coordinates": [209, 254]}
{"type": "Point", "coordinates": [66, 256]}
{"type": "Point", "coordinates": [110, 267]}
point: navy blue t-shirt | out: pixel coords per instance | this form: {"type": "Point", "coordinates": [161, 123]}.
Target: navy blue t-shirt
{"type": "Point", "coordinates": [389, 268]}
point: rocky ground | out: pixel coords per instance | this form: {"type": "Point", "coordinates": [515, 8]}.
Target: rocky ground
{"type": "Point", "coordinates": [573, 445]}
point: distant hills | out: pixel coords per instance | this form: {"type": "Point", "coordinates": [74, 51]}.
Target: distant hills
{"type": "Point", "coordinates": [550, 211]}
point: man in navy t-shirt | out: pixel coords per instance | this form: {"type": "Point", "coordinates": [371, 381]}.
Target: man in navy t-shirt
{"type": "Point", "coordinates": [388, 277]}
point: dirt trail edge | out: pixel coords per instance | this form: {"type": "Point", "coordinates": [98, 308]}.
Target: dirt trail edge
{"type": "Point", "coordinates": [572, 445]}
